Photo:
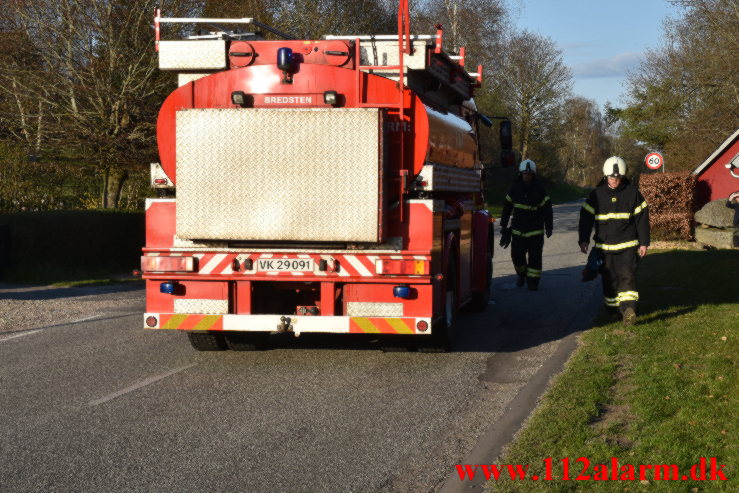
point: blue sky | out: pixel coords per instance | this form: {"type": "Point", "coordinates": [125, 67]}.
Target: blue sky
{"type": "Point", "coordinates": [600, 39]}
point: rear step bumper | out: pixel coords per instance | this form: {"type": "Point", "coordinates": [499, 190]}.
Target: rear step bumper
{"type": "Point", "coordinates": [289, 323]}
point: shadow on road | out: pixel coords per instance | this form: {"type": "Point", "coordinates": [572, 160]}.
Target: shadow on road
{"type": "Point", "coordinates": [516, 318]}
{"type": "Point", "coordinates": [40, 293]}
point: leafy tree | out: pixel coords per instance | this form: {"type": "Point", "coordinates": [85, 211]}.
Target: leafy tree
{"type": "Point", "coordinates": [684, 98]}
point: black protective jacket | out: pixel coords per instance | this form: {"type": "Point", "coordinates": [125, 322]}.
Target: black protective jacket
{"type": "Point", "coordinates": [531, 208]}
{"type": "Point", "coordinates": [620, 216]}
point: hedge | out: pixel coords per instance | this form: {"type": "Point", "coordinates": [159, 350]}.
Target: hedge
{"type": "Point", "coordinates": [69, 245]}
{"type": "Point", "coordinates": [671, 199]}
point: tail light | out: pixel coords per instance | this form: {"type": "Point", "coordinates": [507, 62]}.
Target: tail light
{"type": "Point", "coordinates": [400, 267]}
{"type": "Point", "coordinates": [168, 264]}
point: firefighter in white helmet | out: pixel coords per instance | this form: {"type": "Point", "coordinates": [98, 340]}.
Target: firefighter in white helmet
{"type": "Point", "coordinates": [621, 218]}
{"type": "Point", "coordinates": [532, 218]}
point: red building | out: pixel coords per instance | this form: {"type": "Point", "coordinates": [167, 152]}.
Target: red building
{"type": "Point", "coordinates": [718, 176]}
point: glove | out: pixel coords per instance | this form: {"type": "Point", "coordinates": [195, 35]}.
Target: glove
{"type": "Point", "coordinates": [505, 237]}
{"type": "Point", "coordinates": [549, 233]}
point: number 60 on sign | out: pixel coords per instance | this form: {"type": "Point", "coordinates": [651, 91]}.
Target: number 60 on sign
{"type": "Point", "coordinates": [654, 160]}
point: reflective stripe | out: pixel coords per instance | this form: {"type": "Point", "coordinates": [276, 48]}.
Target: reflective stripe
{"type": "Point", "coordinates": [533, 273]}
{"type": "Point", "coordinates": [527, 234]}
{"type": "Point", "coordinates": [543, 201]}
{"type": "Point", "coordinates": [628, 296]}
{"type": "Point", "coordinates": [525, 207]}
{"type": "Point", "coordinates": [508, 198]}
{"type": "Point", "coordinates": [520, 269]}
{"type": "Point", "coordinates": [588, 208]}
{"type": "Point", "coordinates": [640, 208]}
{"type": "Point", "coordinates": [613, 215]}
{"type": "Point", "coordinates": [611, 301]}
{"type": "Point", "coordinates": [618, 246]}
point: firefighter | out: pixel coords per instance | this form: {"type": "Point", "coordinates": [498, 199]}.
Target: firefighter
{"type": "Point", "coordinates": [532, 218]}
{"type": "Point", "coordinates": [621, 218]}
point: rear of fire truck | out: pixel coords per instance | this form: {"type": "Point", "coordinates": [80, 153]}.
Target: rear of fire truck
{"type": "Point", "coordinates": [315, 186]}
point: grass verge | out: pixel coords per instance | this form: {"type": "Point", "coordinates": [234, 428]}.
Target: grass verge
{"type": "Point", "coordinates": [665, 391]}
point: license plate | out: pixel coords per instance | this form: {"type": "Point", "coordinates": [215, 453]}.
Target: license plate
{"type": "Point", "coordinates": [284, 265]}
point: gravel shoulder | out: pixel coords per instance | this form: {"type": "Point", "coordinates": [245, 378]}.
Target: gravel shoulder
{"type": "Point", "coordinates": [24, 307]}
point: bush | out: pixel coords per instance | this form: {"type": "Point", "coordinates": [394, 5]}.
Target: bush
{"type": "Point", "coordinates": [70, 245]}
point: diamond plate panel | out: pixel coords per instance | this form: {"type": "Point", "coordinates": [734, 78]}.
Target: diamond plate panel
{"type": "Point", "coordinates": [278, 174]}
{"type": "Point", "coordinates": [192, 55]}
{"type": "Point", "coordinates": [210, 307]}
{"type": "Point", "coordinates": [367, 309]}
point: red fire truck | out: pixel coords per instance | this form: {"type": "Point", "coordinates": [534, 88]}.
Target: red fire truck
{"type": "Point", "coordinates": [315, 186]}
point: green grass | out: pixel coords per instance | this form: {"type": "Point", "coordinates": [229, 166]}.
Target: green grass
{"type": "Point", "coordinates": [665, 391]}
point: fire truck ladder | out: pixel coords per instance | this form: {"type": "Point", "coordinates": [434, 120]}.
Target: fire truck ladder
{"type": "Point", "coordinates": [404, 47]}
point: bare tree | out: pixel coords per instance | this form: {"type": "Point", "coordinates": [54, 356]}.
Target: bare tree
{"type": "Point", "coordinates": [584, 142]}
{"type": "Point", "coordinates": [85, 81]}
{"type": "Point", "coordinates": [534, 81]}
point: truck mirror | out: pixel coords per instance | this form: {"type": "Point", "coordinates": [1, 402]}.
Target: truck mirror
{"type": "Point", "coordinates": [506, 135]}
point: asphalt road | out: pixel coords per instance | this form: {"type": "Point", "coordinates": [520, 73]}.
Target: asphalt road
{"type": "Point", "coordinates": [95, 403]}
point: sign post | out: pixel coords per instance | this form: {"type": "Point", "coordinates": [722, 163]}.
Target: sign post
{"type": "Point", "coordinates": [654, 160]}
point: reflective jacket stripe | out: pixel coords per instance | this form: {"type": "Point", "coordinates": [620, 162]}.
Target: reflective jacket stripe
{"type": "Point", "coordinates": [527, 234]}
{"type": "Point", "coordinates": [613, 215]}
{"type": "Point", "coordinates": [619, 246]}
{"type": "Point", "coordinates": [533, 272]}
{"type": "Point", "coordinates": [640, 208]}
{"type": "Point", "coordinates": [588, 208]}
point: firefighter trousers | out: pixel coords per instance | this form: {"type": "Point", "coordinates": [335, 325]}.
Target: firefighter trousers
{"type": "Point", "coordinates": [526, 254]}
{"type": "Point", "coordinates": [619, 279]}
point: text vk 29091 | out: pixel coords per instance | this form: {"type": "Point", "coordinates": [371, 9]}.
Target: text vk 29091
{"type": "Point", "coordinates": [707, 469]}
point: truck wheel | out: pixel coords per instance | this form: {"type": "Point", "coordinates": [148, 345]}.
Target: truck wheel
{"type": "Point", "coordinates": [247, 341]}
{"type": "Point", "coordinates": [480, 299]}
{"type": "Point", "coordinates": [207, 341]}
{"type": "Point", "coordinates": [442, 332]}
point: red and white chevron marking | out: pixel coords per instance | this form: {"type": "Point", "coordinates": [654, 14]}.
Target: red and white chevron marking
{"type": "Point", "coordinates": [210, 264]}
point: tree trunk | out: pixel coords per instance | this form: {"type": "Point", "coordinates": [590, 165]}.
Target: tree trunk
{"type": "Point", "coordinates": [113, 184]}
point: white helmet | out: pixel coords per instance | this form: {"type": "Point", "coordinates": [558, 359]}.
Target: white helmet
{"type": "Point", "coordinates": [614, 166]}
{"type": "Point", "coordinates": [527, 165]}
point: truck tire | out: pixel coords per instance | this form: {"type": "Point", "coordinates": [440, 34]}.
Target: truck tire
{"type": "Point", "coordinates": [442, 333]}
{"type": "Point", "coordinates": [247, 341]}
{"type": "Point", "coordinates": [480, 299]}
{"type": "Point", "coordinates": [207, 341]}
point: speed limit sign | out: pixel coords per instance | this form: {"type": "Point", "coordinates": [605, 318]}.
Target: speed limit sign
{"type": "Point", "coordinates": [654, 160]}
